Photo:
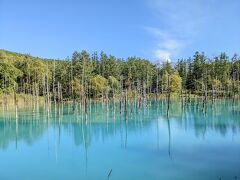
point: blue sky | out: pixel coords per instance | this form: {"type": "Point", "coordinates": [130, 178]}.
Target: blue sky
{"type": "Point", "coordinates": [153, 29]}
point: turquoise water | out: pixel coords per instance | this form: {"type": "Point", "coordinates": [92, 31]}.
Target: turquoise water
{"type": "Point", "coordinates": [142, 144]}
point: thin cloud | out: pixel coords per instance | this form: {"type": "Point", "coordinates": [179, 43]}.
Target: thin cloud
{"type": "Point", "coordinates": [167, 46]}
{"type": "Point", "coordinates": [180, 21]}
{"type": "Point", "coordinates": [162, 55]}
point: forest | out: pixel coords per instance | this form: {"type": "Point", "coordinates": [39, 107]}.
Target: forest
{"type": "Point", "coordinates": [101, 76]}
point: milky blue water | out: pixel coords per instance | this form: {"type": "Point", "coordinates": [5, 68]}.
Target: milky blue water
{"type": "Point", "coordinates": [141, 144]}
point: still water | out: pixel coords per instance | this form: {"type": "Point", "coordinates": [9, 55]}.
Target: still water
{"type": "Point", "coordinates": [140, 144]}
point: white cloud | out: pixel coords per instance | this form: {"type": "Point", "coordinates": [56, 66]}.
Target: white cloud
{"type": "Point", "coordinates": [167, 46]}
{"type": "Point", "coordinates": [180, 21]}
{"type": "Point", "coordinates": [163, 55]}
{"type": "Point", "coordinates": [171, 44]}
{"type": "Point", "coordinates": [156, 32]}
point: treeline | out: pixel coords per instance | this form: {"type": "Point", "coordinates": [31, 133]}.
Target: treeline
{"type": "Point", "coordinates": [85, 76]}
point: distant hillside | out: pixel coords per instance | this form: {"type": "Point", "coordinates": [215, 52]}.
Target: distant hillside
{"type": "Point", "coordinates": [13, 56]}
{"type": "Point", "coordinates": [25, 71]}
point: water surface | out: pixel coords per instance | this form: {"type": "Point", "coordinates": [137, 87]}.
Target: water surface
{"type": "Point", "coordinates": [142, 144]}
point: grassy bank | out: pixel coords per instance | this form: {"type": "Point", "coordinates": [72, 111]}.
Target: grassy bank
{"type": "Point", "coordinates": [21, 100]}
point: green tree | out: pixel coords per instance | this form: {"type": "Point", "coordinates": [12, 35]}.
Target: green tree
{"type": "Point", "coordinates": [176, 82]}
{"type": "Point", "coordinates": [8, 76]}
{"type": "Point", "coordinates": [77, 88]}
{"type": "Point", "coordinates": [99, 85]}
{"type": "Point", "coordinates": [114, 84]}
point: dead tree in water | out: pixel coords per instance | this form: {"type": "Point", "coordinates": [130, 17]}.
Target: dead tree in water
{"type": "Point", "coordinates": [205, 85]}
{"type": "Point", "coordinates": [233, 86]}
{"type": "Point", "coordinates": [126, 105]}
{"type": "Point", "coordinates": [139, 92]}
{"type": "Point", "coordinates": [59, 93]}
{"type": "Point", "coordinates": [168, 96]}
{"type": "Point", "coordinates": [15, 102]}
{"type": "Point", "coordinates": [213, 93]}
{"type": "Point", "coordinates": [113, 96]}
{"type": "Point", "coordinates": [169, 137]}
{"type": "Point", "coordinates": [157, 85]}
{"type": "Point", "coordinates": [47, 91]}
{"type": "Point", "coordinates": [121, 96]}
{"type": "Point", "coordinates": [53, 84]}
{"type": "Point", "coordinates": [205, 98]}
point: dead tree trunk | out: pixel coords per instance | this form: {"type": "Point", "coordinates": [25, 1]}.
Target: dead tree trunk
{"type": "Point", "coordinates": [169, 95]}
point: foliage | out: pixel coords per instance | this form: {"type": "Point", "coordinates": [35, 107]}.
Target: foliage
{"type": "Point", "coordinates": [176, 82]}
{"type": "Point", "coordinates": [114, 84]}
{"type": "Point", "coordinates": [98, 75]}
{"type": "Point", "coordinates": [99, 85]}
{"type": "Point", "coordinates": [77, 88]}
{"type": "Point", "coordinates": [8, 76]}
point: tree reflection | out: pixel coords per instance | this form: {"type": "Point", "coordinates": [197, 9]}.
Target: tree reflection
{"type": "Point", "coordinates": [221, 117]}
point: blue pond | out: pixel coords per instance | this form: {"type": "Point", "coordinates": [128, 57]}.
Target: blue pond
{"type": "Point", "coordinates": [141, 144]}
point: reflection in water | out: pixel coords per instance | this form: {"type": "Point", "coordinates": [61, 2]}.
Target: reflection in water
{"type": "Point", "coordinates": [186, 125]}
{"type": "Point", "coordinates": [31, 125]}
{"type": "Point", "coordinates": [169, 137]}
